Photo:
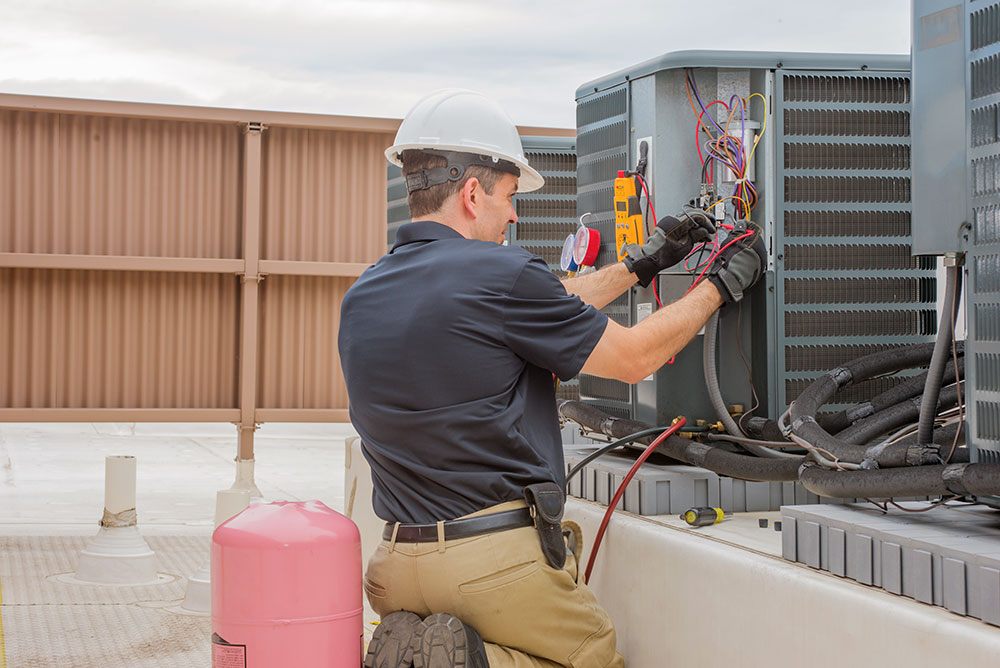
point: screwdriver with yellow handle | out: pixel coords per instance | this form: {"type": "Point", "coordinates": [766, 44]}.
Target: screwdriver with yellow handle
{"type": "Point", "coordinates": [703, 516]}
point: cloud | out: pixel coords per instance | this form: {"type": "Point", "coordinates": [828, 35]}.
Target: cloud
{"type": "Point", "coordinates": [376, 57]}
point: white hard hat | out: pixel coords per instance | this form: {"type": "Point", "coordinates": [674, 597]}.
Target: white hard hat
{"type": "Point", "coordinates": [464, 121]}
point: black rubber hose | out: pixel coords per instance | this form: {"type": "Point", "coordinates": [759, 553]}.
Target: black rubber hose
{"type": "Point", "coordinates": [605, 449]}
{"type": "Point", "coordinates": [819, 393]}
{"type": "Point", "coordinates": [940, 480]}
{"type": "Point", "coordinates": [712, 458]}
{"type": "Point", "coordinates": [763, 429]}
{"type": "Point", "coordinates": [942, 436]}
{"type": "Point", "coordinates": [895, 417]}
{"type": "Point", "coordinates": [942, 346]}
{"type": "Point", "coordinates": [912, 387]}
{"type": "Point", "coordinates": [803, 423]}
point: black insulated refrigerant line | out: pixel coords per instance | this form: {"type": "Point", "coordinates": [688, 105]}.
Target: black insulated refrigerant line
{"type": "Point", "coordinates": [717, 460]}
{"type": "Point", "coordinates": [912, 387]}
{"type": "Point", "coordinates": [804, 408]}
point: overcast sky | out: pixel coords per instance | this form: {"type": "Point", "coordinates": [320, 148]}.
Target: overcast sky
{"type": "Point", "coordinates": [377, 57]}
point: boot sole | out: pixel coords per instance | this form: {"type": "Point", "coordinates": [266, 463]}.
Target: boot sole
{"type": "Point", "coordinates": [440, 643]}
{"type": "Point", "coordinates": [393, 641]}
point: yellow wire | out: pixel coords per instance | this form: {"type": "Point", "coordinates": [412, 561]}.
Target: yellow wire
{"type": "Point", "coordinates": [746, 204]}
{"type": "Point", "coordinates": [763, 128]}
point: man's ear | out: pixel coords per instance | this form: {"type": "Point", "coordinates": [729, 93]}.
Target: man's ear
{"type": "Point", "coordinates": [471, 191]}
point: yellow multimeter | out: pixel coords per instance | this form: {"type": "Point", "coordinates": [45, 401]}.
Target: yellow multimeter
{"type": "Point", "coordinates": [628, 214]}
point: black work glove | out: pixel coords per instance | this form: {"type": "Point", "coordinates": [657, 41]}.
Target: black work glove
{"type": "Point", "coordinates": [671, 241]}
{"type": "Point", "coordinates": [738, 267]}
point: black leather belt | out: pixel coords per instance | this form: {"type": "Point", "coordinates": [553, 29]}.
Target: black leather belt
{"type": "Point", "coordinates": [463, 528]}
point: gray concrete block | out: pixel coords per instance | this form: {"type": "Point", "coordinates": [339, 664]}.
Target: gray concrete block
{"type": "Point", "coordinates": [949, 557]}
{"type": "Point", "coordinates": [837, 551]}
{"type": "Point", "coordinates": [954, 585]}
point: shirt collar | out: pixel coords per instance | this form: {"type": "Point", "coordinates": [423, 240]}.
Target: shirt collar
{"type": "Point", "coordinates": [423, 230]}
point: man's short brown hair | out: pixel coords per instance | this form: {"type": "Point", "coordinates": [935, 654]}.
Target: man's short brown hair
{"type": "Point", "coordinates": [430, 200]}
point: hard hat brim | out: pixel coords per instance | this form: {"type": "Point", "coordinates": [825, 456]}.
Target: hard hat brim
{"type": "Point", "coordinates": [530, 180]}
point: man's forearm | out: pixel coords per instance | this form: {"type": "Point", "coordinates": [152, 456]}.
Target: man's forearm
{"type": "Point", "coordinates": [629, 354]}
{"type": "Point", "coordinates": [601, 287]}
{"type": "Point", "coordinates": [666, 332]}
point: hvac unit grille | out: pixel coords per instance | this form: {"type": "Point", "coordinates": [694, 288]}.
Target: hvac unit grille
{"type": "Point", "coordinates": [843, 123]}
{"type": "Point", "coordinates": [845, 274]}
{"type": "Point", "coordinates": [592, 387]}
{"type": "Point", "coordinates": [398, 211]}
{"type": "Point", "coordinates": [985, 125]}
{"type": "Point", "coordinates": [984, 27]}
{"type": "Point", "coordinates": [860, 290]}
{"type": "Point", "coordinates": [847, 189]}
{"type": "Point", "coordinates": [847, 223]}
{"type": "Point", "coordinates": [987, 322]}
{"type": "Point", "coordinates": [602, 150]}
{"type": "Point", "coordinates": [860, 323]}
{"type": "Point", "coordinates": [854, 256]}
{"type": "Point", "coordinates": [835, 88]}
{"type": "Point", "coordinates": [824, 358]}
{"type": "Point", "coordinates": [847, 156]}
{"type": "Point", "coordinates": [983, 362]}
{"type": "Point", "coordinates": [985, 76]}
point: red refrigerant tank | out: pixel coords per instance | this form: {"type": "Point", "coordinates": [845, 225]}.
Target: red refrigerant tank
{"type": "Point", "coordinates": [286, 588]}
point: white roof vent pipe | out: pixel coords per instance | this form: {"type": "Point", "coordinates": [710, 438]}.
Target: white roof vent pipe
{"type": "Point", "coordinates": [118, 554]}
{"type": "Point", "coordinates": [198, 594]}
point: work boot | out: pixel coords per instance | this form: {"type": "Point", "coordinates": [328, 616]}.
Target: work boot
{"type": "Point", "coordinates": [393, 641]}
{"type": "Point", "coordinates": [443, 641]}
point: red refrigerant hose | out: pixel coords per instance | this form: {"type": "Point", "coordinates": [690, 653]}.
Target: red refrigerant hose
{"type": "Point", "coordinates": [681, 421]}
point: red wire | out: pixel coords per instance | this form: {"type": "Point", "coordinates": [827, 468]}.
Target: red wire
{"type": "Point", "coordinates": [642, 182]}
{"type": "Point", "coordinates": [681, 421]}
{"type": "Point", "coordinates": [649, 199]}
{"type": "Point", "coordinates": [715, 255]}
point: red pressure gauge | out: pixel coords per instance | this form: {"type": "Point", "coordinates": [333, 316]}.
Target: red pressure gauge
{"type": "Point", "coordinates": [588, 242]}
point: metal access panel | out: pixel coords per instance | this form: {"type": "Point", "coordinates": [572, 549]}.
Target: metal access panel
{"type": "Point", "coordinates": [832, 171]}
{"type": "Point", "coordinates": [983, 258]}
{"type": "Point", "coordinates": [938, 121]}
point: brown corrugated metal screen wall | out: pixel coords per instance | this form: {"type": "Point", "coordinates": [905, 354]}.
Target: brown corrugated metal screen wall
{"type": "Point", "coordinates": [163, 263]}
{"type": "Point", "coordinates": [127, 244]}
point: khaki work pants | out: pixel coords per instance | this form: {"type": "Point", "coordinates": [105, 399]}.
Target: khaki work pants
{"type": "Point", "coordinates": [528, 613]}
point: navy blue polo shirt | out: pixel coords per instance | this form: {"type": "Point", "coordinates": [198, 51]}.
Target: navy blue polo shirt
{"type": "Point", "coordinates": [448, 346]}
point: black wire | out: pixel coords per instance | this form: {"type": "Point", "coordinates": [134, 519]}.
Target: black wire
{"type": "Point", "coordinates": [611, 446]}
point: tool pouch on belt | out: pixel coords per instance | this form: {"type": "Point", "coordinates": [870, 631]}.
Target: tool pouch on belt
{"type": "Point", "coordinates": [546, 502]}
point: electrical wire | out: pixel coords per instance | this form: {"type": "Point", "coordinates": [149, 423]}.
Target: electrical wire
{"type": "Point", "coordinates": [884, 507]}
{"type": "Point", "coordinates": [712, 259]}
{"type": "Point", "coordinates": [724, 148]}
{"type": "Point", "coordinates": [743, 440]}
{"type": "Point", "coordinates": [739, 347]}
{"type": "Point", "coordinates": [954, 356]}
{"type": "Point", "coordinates": [649, 203]}
{"type": "Point", "coordinates": [604, 449]}
{"type": "Point", "coordinates": [674, 428]}
{"type": "Point", "coordinates": [818, 453]}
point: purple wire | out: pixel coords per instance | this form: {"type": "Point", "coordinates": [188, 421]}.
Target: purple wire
{"type": "Point", "coordinates": [694, 87]}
